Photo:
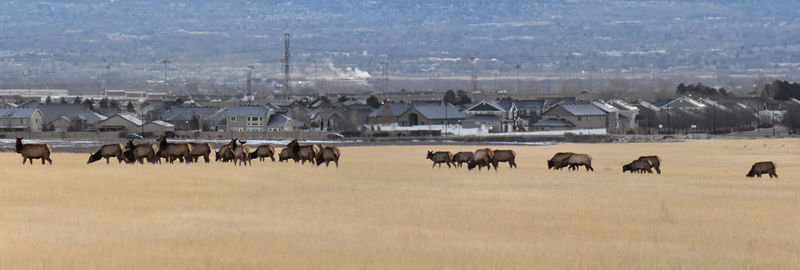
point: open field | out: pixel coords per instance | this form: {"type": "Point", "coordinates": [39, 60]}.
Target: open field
{"type": "Point", "coordinates": [385, 208]}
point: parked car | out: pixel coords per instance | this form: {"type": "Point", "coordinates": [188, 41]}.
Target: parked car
{"type": "Point", "coordinates": [134, 136]}
{"type": "Point", "coordinates": [335, 136]}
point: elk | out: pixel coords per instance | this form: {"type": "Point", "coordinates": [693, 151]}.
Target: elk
{"type": "Point", "coordinates": [559, 160]}
{"type": "Point", "coordinates": [172, 151]}
{"type": "Point", "coordinates": [108, 151]}
{"type": "Point", "coordinates": [577, 160]}
{"type": "Point", "coordinates": [655, 161]}
{"type": "Point", "coordinates": [440, 157]}
{"type": "Point", "coordinates": [201, 149]}
{"type": "Point", "coordinates": [264, 151]}
{"type": "Point", "coordinates": [241, 152]}
{"type": "Point", "coordinates": [764, 167]}
{"type": "Point", "coordinates": [504, 156]}
{"type": "Point", "coordinates": [30, 151]}
{"type": "Point", "coordinates": [462, 157]}
{"type": "Point", "coordinates": [481, 158]}
{"type": "Point", "coordinates": [639, 165]}
{"type": "Point", "coordinates": [327, 154]}
{"type": "Point", "coordinates": [140, 152]}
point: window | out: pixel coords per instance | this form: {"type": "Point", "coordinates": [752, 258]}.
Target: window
{"type": "Point", "coordinates": [579, 118]}
{"type": "Point", "coordinates": [233, 118]}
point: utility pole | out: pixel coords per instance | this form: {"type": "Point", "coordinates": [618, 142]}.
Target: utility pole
{"type": "Point", "coordinates": [286, 66]}
{"type": "Point", "coordinates": [518, 81]}
{"type": "Point", "coordinates": [385, 74]}
{"type": "Point", "coordinates": [165, 62]}
{"type": "Point", "coordinates": [474, 77]}
{"type": "Point", "coordinates": [250, 96]}
{"type": "Point", "coordinates": [27, 74]}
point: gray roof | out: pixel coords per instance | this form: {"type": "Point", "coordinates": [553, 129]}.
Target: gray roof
{"type": "Point", "coordinates": [18, 112]}
{"type": "Point", "coordinates": [536, 104]}
{"type": "Point", "coordinates": [131, 117]}
{"type": "Point", "coordinates": [439, 111]}
{"type": "Point", "coordinates": [53, 112]}
{"type": "Point", "coordinates": [277, 120]}
{"type": "Point", "coordinates": [579, 109]}
{"type": "Point", "coordinates": [489, 106]}
{"type": "Point", "coordinates": [553, 123]}
{"type": "Point", "coordinates": [245, 110]}
{"type": "Point", "coordinates": [184, 113]}
{"type": "Point", "coordinates": [397, 109]}
{"type": "Point", "coordinates": [162, 123]}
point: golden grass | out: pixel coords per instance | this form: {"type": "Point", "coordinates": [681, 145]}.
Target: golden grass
{"type": "Point", "coordinates": [377, 212]}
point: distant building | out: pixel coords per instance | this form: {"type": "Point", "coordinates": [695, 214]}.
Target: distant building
{"type": "Point", "coordinates": [255, 118]}
{"type": "Point", "coordinates": [568, 115]}
{"type": "Point", "coordinates": [120, 122]}
{"type": "Point", "coordinates": [21, 119]}
{"type": "Point", "coordinates": [68, 117]}
{"type": "Point", "coordinates": [430, 113]}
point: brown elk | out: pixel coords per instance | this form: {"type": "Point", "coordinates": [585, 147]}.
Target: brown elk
{"type": "Point", "coordinates": [286, 154]}
{"type": "Point", "coordinates": [201, 150]}
{"type": "Point", "coordinates": [504, 156]}
{"type": "Point", "coordinates": [577, 160]}
{"type": "Point", "coordinates": [302, 153]}
{"type": "Point", "coordinates": [559, 160]}
{"type": "Point", "coordinates": [764, 167]}
{"type": "Point", "coordinates": [655, 162]}
{"type": "Point", "coordinates": [30, 151]}
{"type": "Point", "coordinates": [264, 151]}
{"type": "Point", "coordinates": [241, 152]}
{"type": "Point", "coordinates": [481, 158]}
{"type": "Point", "coordinates": [173, 151]}
{"type": "Point", "coordinates": [440, 157]}
{"type": "Point", "coordinates": [224, 153]}
{"type": "Point", "coordinates": [108, 151]}
{"type": "Point", "coordinates": [462, 157]}
{"type": "Point", "coordinates": [140, 152]}
{"type": "Point", "coordinates": [639, 165]}
{"type": "Point", "coordinates": [327, 154]}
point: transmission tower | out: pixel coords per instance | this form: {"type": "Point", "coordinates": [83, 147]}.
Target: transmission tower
{"type": "Point", "coordinates": [286, 67]}
{"type": "Point", "coordinates": [474, 77]}
{"type": "Point", "coordinates": [385, 74]}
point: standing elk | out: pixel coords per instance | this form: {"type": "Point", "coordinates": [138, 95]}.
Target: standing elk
{"type": "Point", "coordinates": [302, 153]}
{"type": "Point", "coordinates": [559, 160]}
{"type": "Point", "coordinates": [173, 151]}
{"type": "Point", "coordinates": [655, 161]}
{"type": "Point", "coordinates": [577, 160]}
{"type": "Point", "coordinates": [504, 156]}
{"type": "Point", "coordinates": [264, 151]}
{"type": "Point", "coordinates": [108, 151]}
{"type": "Point", "coordinates": [241, 152]}
{"type": "Point", "coordinates": [30, 151]}
{"type": "Point", "coordinates": [327, 154]}
{"type": "Point", "coordinates": [481, 158]}
{"type": "Point", "coordinates": [201, 150]}
{"type": "Point", "coordinates": [764, 167]}
{"type": "Point", "coordinates": [462, 157]}
{"type": "Point", "coordinates": [286, 154]}
{"type": "Point", "coordinates": [440, 157]}
{"type": "Point", "coordinates": [639, 165]}
{"type": "Point", "coordinates": [224, 153]}
{"type": "Point", "coordinates": [139, 152]}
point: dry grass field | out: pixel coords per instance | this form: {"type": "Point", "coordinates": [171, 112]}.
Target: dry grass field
{"type": "Point", "coordinates": [385, 208]}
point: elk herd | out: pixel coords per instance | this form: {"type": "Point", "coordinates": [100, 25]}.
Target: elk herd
{"type": "Point", "coordinates": [239, 153]}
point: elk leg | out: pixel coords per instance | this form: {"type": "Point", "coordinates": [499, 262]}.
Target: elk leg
{"type": "Point", "coordinates": [107, 161]}
{"type": "Point", "coordinates": [589, 167]}
{"type": "Point", "coordinates": [337, 163]}
{"type": "Point", "coordinates": [658, 170]}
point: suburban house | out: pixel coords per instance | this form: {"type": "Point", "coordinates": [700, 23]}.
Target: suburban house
{"type": "Point", "coordinates": [387, 113]}
{"type": "Point", "coordinates": [248, 118]}
{"type": "Point", "coordinates": [626, 115]}
{"type": "Point", "coordinates": [120, 122]}
{"type": "Point", "coordinates": [430, 113]}
{"type": "Point", "coordinates": [69, 117]}
{"type": "Point", "coordinates": [491, 115]}
{"type": "Point", "coordinates": [279, 122]}
{"type": "Point", "coordinates": [21, 119]}
{"type": "Point", "coordinates": [190, 117]}
{"type": "Point", "coordinates": [326, 119]}
{"type": "Point", "coordinates": [527, 112]}
{"type": "Point", "coordinates": [158, 127]}
{"type": "Point", "coordinates": [572, 115]}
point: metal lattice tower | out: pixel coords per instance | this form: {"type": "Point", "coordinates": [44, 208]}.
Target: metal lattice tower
{"type": "Point", "coordinates": [385, 74]}
{"type": "Point", "coordinates": [474, 77]}
{"type": "Point", "coordinates": [286, 67]}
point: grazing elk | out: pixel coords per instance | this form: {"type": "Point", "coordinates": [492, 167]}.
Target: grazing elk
{"type": "Point", "coordinates": [201, 150]}
{"type": "Point", "coordinates": [504, 156]}
{"type": "Point", "coordinates": [639, 165]}
{"type": "Point", "coordinates": [286, 154]}
{"type": "Point", "coordinates": [327, 154]}
{"type": "Point", "coordinates": [140, 152]}
{"type": "Point", "coordinates": [302, 153]}
{"type": "Point", "coordinates": [224, 153]}
{"type": "Point", "coordinates": [481, 158]}
{"type": "Point", "coordinates": [440, 157]}
{"type": "Point", "coordinates": [241, 152]}
{"type": "Point", "coordinates": [559, 160]}
{"type": "Point", "coordinates": [173, 151]}
{"type": "Point", "coordinates": [108, 151]}
{"type": "Point", "coordinates": [462, 157]}
{"type": "Point", "coordinates": [764, 167]}
{"type": "Point", "coordinates": [655, 162]}
{"type": "Point", "coordinates": [577, 160]}
{"type": "Point", "coordinates": [30, 151]}
{"type": "Point", "coordinates": [264, 151]}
